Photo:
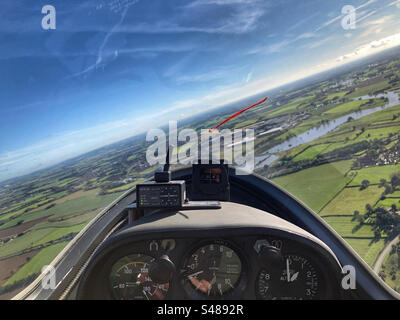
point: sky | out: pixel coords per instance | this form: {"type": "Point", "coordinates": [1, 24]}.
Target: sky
{"type": "Point", "coordinates": [114, 68]}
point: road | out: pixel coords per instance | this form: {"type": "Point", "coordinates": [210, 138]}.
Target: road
{"type": "Point", "coordinates": [383, 254]}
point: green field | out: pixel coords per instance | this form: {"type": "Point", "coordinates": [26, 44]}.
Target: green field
{"type": "Point", "coordinates": [239, 125]}
{"type": "Point", "coordinates": [88, 202]}
{"type": "Point", "coordinates": [353, 106]}
{"type": "Point", "coordinates": [311, 152]}
{"type": "Point", "coordinates": [26, 241]}
{"type": "Point", "coordinates": [325, 180]}
{"type": "Point", "coordinates": [351, 199]}
{"type": "Point", "coordinates": [35, 265]}
{"type": "Point", "coordinates": [336, 94]}
{"type": "Point", "coordinates": [126, 186]}
{"type": "Point", "coordinates": [57, 233]}
{"type": "Point", "coordinates": [346, 227]}
{"type": "Point", "coordinates": [374, 174]}
{"type": "Point", "coordinates": [291, 107]}
{"type": "Point", "coordinates": [378, 133]}
{"type": "Point", "coordinates": [368, 89]}
{"type": "Point", "coordinates": [367, 249]}
{"type": "Point", "coordinates": [387, 203]}
{"type": "Point", "coordinates": [37, 237]}
{"type": "Point", "coordinates": [66, 218]}
{"type": "Point", "coordinates": [353, 233]}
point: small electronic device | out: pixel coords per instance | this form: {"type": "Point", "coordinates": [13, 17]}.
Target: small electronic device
{"type": "Point", "coordinates": [155, 195]}
{"type": "Point", "coordinates": [162, 192]}
{"type": "Point", "coordinates": [210, 182]}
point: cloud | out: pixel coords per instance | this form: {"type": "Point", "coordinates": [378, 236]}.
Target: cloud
{"type": "Point", "coordinates": [319, 43]}
{"type": "Point", "coordinates": [376, 26]}
{"type": "Point", "coordinates": [177, 68]}
{"type": "Point", "coordinates": [202, 77]}
{"type": "Point", "coordinates": [241, 22]}
{"type": "Point", "coordinates": [219, 2]}
{"type": "Point", "coordinates": [394, 3]}
{"type": "Point", "coordinates": [281, 45]}
{"type": "Point", "coordinates": [139, 52]}
{"type": "Point", "coordinates": [380, 21]}
{"type": "Point", "coordinates": [100, 53]}
{"type": "Point", "coordinates": [372, 48]}
{"type": "Point", "coordinates": [278, 46]}
{"type": "Point", "coordinates": [242, 17]}
{"type": "Point", "coordinates": [364, 16]}
{"type": "Point", "coordinates": [303, 21]}
{"type": "Point", "coordinates": [329, 22]}
{"type": "Point", "coordinates": [371, 30]}
{"type": "Point", "coordinates": [306, 35]}
{"type": "Point", "coordinates": [22, 107]}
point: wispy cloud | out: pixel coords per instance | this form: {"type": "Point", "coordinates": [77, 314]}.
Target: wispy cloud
{"type": "Point", "coordinates": [328, 23]}
{"type": "Point", "coordinates": [319, 43]}
{"type": "Point", "coordinates": [376, 26]}
{"type": "Point", "coordinates": [306, 35]}
{"type": "Point", "coordinates": [371, 48]}
{"type": "Point", "coordinates": [100, 53]}
{"type": "Point", "coordinates": [240, 23]}
{"type": "Point", "coordinates": [301, 22]}
{"type": "Point", "coordinates": [243, 17]}
{"type": "Point", "coordinates": [367, 3]}
{"type": "Point", "coordinates": [394, 3]}
{"type": "Point", "coordinates": [364, 16]}
{"type": "Point", "coordinates": [201, 77]}
{"type": "Point", "coordinates": [198, 3]}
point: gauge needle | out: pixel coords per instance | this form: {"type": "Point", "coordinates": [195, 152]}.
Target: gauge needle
{"type": "Point", "coordinates": [195, 274]}
{"type": "Point", "coordinates": [287, 270]}
{"type": "Point", "coordinates": [211, 284]}
{"type": "Point", "coordinates": [145, 294]}
{"type": "Point", "coordinates": [294, 277]}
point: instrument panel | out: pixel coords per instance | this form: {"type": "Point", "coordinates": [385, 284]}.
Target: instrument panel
{"type": "Point", "coordinates": [247, 267]}
{"type": "Point", "coordinates": [236, 252]}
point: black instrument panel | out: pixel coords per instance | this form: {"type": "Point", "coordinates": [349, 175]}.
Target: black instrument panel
{"type": "Point", "coordinates": [225, 267]}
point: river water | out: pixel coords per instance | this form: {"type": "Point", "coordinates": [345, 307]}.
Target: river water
{"type": "Point", "coordinates": [270, 155]}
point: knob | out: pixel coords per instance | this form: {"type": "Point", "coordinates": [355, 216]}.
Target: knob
{"type": "Point", "coordinates": [162, 270]}
{"type": "Point", "coordinates": [270, 256]}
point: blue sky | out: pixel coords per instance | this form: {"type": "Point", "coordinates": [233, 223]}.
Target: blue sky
{"type": "Point", "coordinates": [114, 68]}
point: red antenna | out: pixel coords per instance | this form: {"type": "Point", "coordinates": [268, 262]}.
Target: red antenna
{"type": "Point", "coordinates": [239, 112]}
